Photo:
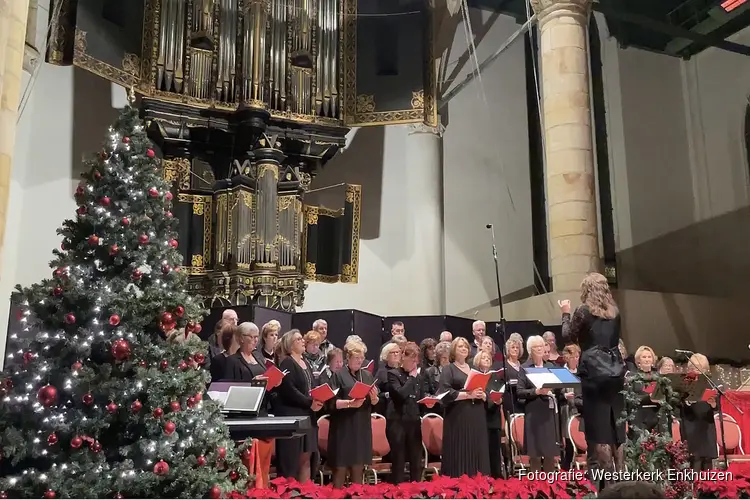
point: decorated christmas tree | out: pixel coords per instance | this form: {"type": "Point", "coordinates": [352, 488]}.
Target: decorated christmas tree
{"type": "Point", "coordinates": [103, 395]}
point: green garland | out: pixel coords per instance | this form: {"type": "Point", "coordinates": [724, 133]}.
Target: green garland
{"type": "Point", "coordinates": [654, 453]}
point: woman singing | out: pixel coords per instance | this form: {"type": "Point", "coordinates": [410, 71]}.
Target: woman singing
{"type": "Point", "coordinates": [227, 337]}
{"type": "Point", "coordinates": [293, 399]}
{"type": "Point", "coordinates": [697, 425]}
{"type": "Point", "coordinates": [390, 358]}
{"type": "Point", "coordinates": [540, 425]}
{"type": "Point", "coordinates": [483, 362]}
{"type": "Point", "coordinates": [647, 413]}
{"type": "Point", "coordinates": [247, 363]}
{"type": "Point", "coordinates": [465, 446]}
{"type": "Point", "coordinates": [595, 327]}
{"type": "Point", "coordinates": [269, 337]}
{"type": "Point", "coordinates": [554, 356]}
{"type": "Point", "coordinates": [427, 350]}
{"type": "Point", "coordinates": [404, 428]}
{"type": "Point", "coordinates": [350, 433]}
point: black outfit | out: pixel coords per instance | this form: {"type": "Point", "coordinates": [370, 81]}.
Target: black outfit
{"type": "Point", "coordinates": [268, 356]}
{"type": "Point", "coordinates": [602, 373]}
{"type": "Point", "coordinates": [465, 445]}
{"type": "Point", "coordinates": [495, 427]}
{"type": "Point", "coordinates": [570, 408]}
{"type": "Point", "coordinates": [293, 399]}
{"type": "Point", "coordinates": [350, 432]}
{"type": "Point", "coordinates": [431, 385]}
{"type": "Point", "coordinates": [541, 423]}
{"type": "Point", "coordinates": [218, 367]}
{"type": "Point", "coordinates": [698, 428]}
{"type": "Point", "coordinates": [403, 425]}
{"type": "Point", "coordinates": [511, 403]}
{"type": "Point", "coordinates": [647, 413]}
{"type": "Point", "coordinates": [382, 377]}
{"type": "Point", "coordinates": [239, 370]}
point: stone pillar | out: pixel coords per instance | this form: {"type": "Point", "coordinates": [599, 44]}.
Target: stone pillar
{"type": "Point", "coordinates": [569, 162]}
{"type": "Point", "coordinates": [423, 176]}
{"type": "Point", "coordinates": [13, 15]}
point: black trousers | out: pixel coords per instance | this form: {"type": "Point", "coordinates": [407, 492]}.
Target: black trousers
{"type": "Point", "coordinates": [405, 439]}
{"type": "Point", "coordinates": [496, 452]}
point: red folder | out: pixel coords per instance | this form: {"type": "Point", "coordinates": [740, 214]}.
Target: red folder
{"type": "Point", "coordinates": [478, 380]}
{"type": "Point", "coordinates": [370, 366]}
{"type": "Point", "coordinates": [323, 393]}
{"type": "Point", "coordinates": [430, 401]}
{"type": "Point", "coordinates": [361, 390]}
{"type": "Point", "coordinates": [649, 389]}
{"type": "Point", "coordinates": [273, 377]}
{"type": "Point", "coordinates": [496, 397]}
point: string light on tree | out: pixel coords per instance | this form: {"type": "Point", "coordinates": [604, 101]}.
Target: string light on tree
{"type": "Point", "coordinates": [95, 401]}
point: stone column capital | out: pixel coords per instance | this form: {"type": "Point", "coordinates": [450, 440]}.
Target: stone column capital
{"type": "Point", "coordinates": [548, 9]}
{"type": "Point", "coordinates": [421, 128]}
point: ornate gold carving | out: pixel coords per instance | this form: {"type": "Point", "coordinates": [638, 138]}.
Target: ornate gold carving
{"type": "Point", "coordinates": [311, 215]}
{"type": "Point", "coordinates": [417, 100]}
{"type": "Point", "coordinates": [197, 208]}
{"type": "Point", "coordinates": [310, 271]}
{"type": "Point", "coordinates": [350, 273]}
{"type": "Point", "coordinates": [329, 212]}
{"type": "Point", "coordinates": [305, 180]}
{"type": "Point", "coordinates": [196, 261]}
{"type": "Point", "coordinates": [365, 104]}
{"type": "Point", "coordinates": [127, 75]}
{"type": "Point", "coordinates": [177, 170]}
{"type": "Point", "coordinates": [201, 205]}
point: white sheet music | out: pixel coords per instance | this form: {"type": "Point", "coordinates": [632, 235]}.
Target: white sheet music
{"type": "Point", "coordinates": [539, 379]}
{"type": "Point", "coordinates": [219, 397]}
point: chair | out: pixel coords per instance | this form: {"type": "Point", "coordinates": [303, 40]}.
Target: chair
{"type": "Point", "coordinates": [578, 438]}
{"type": "Point", "coordinates": [380, 448]}
{"type": "Point", "coordinates": [732, 439]}
{"type": "Point", "coordinates": [324, 426]}
{"type": "Point", "coordinates": [516, 437]}
{"type": "Point", "coordinates": [432, 442]}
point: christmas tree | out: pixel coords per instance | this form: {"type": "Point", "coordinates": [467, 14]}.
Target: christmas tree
{"type": "Point", "coordinates": [104, 397]}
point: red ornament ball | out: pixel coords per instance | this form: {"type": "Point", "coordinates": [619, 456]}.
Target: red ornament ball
{"type": "Point", "coordinates": [3, 495]}
{"type": "Point", "coordinates": [52, 439]}
{"type": "Point", "coordinates": [126, 139]}
{"type": "Point", "coordinates": [246, 454]}
{"type": "Point", "coordinates": [121, 349]}
{"type": "Point", "coordinates": [166, 317]}
{"type": "Point", "coordinates": [137, 274]}
{"type": "Point", "coordinates": [199, 397]}
{"type": "Point", "coordinates": [47, 395]}
{"type": "Point", "coordinates": [166, 268]}
{"type": "Point", "coordinates": [161, 468]}
{"type": "Point", "coordinates": [190, 326]}
{"type": "Point", "coordinates": [142, 363]}
{"type": "Point", "coordinates": [153, 192]}
{"type": "Point", "coordinates": [125, 221]}
{"type": "Point", "coordinates": [183, 365]}
{"type": "Point", "coordinates": [96, 447]}
{"type": "Point", "coordinates": [222, 452]}
{"type": "Point", "coordinates": [60, 272]}
{"type": "Point", "coordinates": [169, 428]}
{"type": "Point", "coordinates": [112, 407]}
{"type": "Point", "coordinates": [57, 291]}
{"type": "Point", "coordinates": [199, 358]}
{"type": "Point", "coordinates": [77, 365]}
{"type": "Point", "coordinates": [143, 239]}
{"type": "Point", "coordinates": [150, 153]}
{"type": "Point", "coordinates": [179, 311]}
{"type": "Point", "coordinates": [168, 214]}
{"type": "Point", "coordinates": [168, 196]}
{"type": "Point", "coordinates": [88, 399]}
{"type": "Point", "coordinates": [191, 402]}
{"type": "Point", "coordinates": [136, 406]}
{"type": "Point", "coordinates": [175, 406]}
{"type": "Point", "coordinates": [81, 210]}
{"type": "Point", "coordinates": [158, 413]}
{"type": "Point", "coordinates": [28, 357]}
{"type": "Point", "coordinates": [234, 475]}
{"type": "Point", "coordinates": [70, 318]}
{"type": "Point", "coordinates": [197, 328]}
{"type": "Point", "coordinates": [93, 240]}
{"type": "Point", "coordinates": [201, 461]}
{"type": "Point", "coordinates": [50, 494]}
{"type": "Point", "coordinates": [97, 175]}
{"type": "Point", "coordinates": [173, 243]}
{"type": "Point", "coordinates": [104, 201]}
{"type": "Point", "coordinates": [164, 364]}
{"type": "Point", "coordinates": [114, 320]}
{"type": "Point", "coordinates": [214, 492]}
{"type": "Point", "coordinates": [79, 190]}
{"type": "Point", "coordinates": [76, 442]}
{"type": "Point", "coordinates": [113, 250]}
{"type": "Point", "coordinates": [119, 495]}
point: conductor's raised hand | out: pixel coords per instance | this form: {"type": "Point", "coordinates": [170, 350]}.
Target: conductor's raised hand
{"type": "Point", "coordinates": [564, 306]}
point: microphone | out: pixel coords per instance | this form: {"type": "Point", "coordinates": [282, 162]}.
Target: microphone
{"type": "Point", "coordinates": [684, 351]}
{"type": "Point", "coordinates": [488, 226]}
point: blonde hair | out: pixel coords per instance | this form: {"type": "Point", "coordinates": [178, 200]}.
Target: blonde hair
{"type": "Point", "coordinates": [571, 350]}
{"type": "Point", "coordinates": [354, 347]}
{"type": "Point", "coordinates": [533, 340]}
{"type": "Point", "coordinates": [287, 341]}
{"type": "Point", "coordinates": [478, 358]}
{"type": "Point", "coordinates": [514, 342]}
{"type": "Point", "coordinates": [268, 328]}
{"type": "Point", "coordinates": [641, 350]}
{"type": "Point", "coordinates": [312, 336]}
{"type": "Point", "coordinates": [596, 295]}
{"type": "Point", "coordinates": [386, 350]}
{"type": "Point", "coordinates": [700, 361]}
{"type": "Point", "coordinates": [518, 338]}
{"type": "Point", "coordinates": [353, 338]}
{"type": "Point", "coordinates": [454, 346]}
{"type": "Point", "coordinates": [399, 339]}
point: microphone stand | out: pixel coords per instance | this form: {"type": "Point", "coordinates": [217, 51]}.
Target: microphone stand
{"type": "Point", "coordinates": [500, 329]}
{"type": "Point", "coordinates": [719, 394]}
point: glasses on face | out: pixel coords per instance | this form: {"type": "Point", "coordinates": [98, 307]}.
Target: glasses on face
{"type": "Point", "coordinates": [298, 339]}
{"type": "Point", "coordinates": [357, 358]}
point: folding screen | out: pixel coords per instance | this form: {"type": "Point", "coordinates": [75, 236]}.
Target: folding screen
{"type": "Point", "coordinates": [262, 315]}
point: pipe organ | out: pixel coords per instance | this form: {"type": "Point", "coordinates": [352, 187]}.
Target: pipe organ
{"type": "Point", "coordinates": [246, 100]}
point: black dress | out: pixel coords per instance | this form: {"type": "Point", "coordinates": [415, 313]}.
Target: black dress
{"type": "Point", "coordinates": [647, 413]}
{"type": "Point", "coordinates": [541, 422]}
{"type": "Point", "coordinates": [698, 428]}
{"type": "Point", "coordinates": [403, 426]}
{"type": "Point", "coordinates": [511, 403]}
{"type": "Point", "coordinates": [293, 399]}
{"type": "Point", "coordinates": [431, 385]}
{"type": "Point", "coordinates": [603, 401]}
{"type": "Point", "coordinates": [465, 445]}
{"type": "Point", "coordinates": [350, 431]}
{"type": "Point", "coordinates": [218, 367]}
{"type": "Point", "coordinates": [239, 370]}
{"type": "Point", "coordinates": [495, 427]}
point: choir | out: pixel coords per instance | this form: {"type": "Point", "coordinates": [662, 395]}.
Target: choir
{"type": "Point", "coordinates": [475, 421]}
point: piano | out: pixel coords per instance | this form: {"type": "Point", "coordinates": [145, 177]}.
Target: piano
{"type": "Point", "coordinates": [242, 428]}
